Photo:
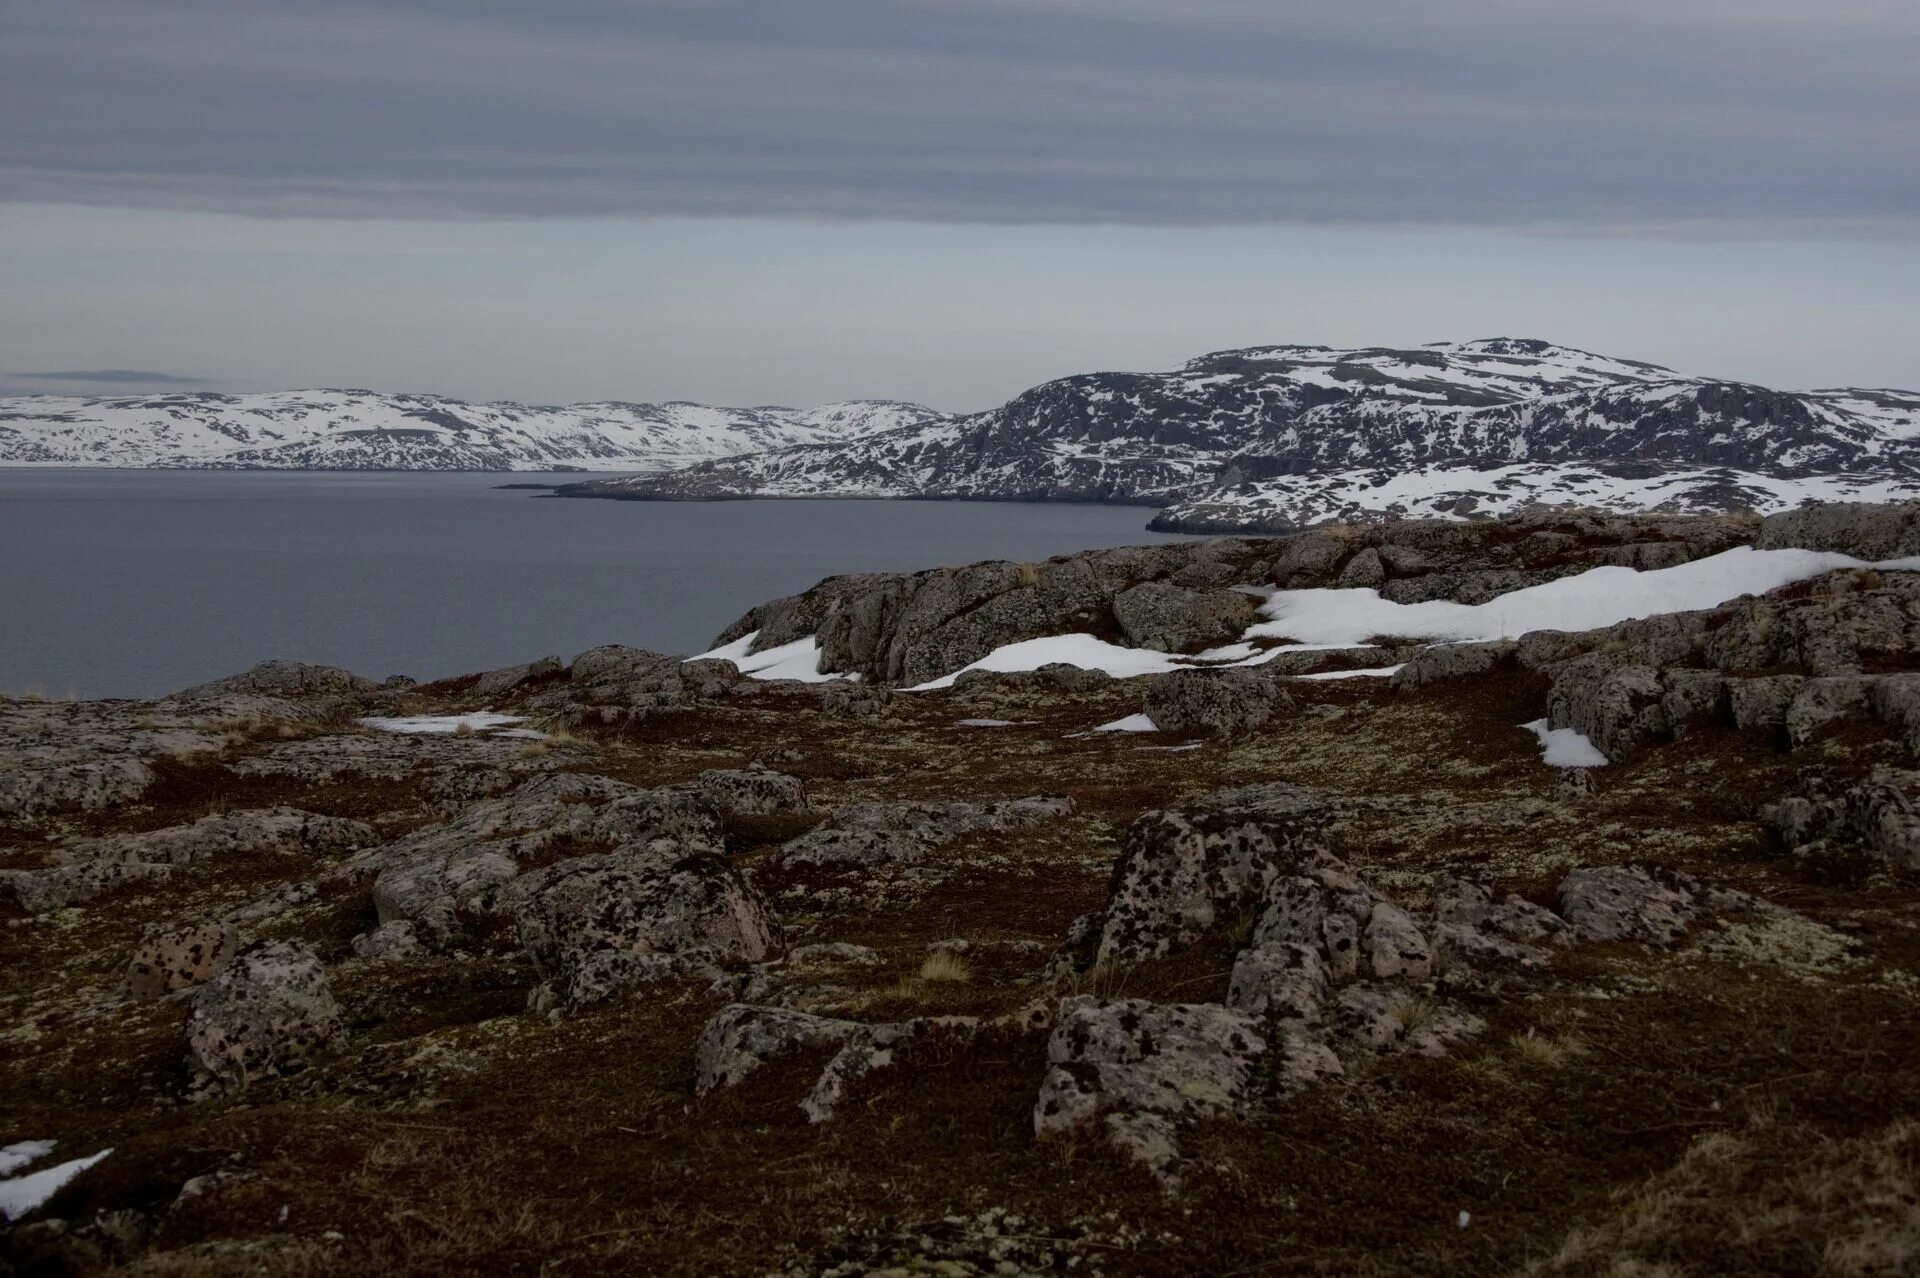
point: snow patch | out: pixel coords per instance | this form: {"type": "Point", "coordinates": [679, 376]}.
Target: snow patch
{"type": "Point", "coordinates": [799, 660]}
{"type": "Point", "coordinates": [1593, 599]}
{"type": "Point", "coordinates": [1373, 672]}
{"type": "Point", "coordinates": [15, 1156]}
{"type": "Point", "coordinates": [1565, 748]}
{"type": "Point", "coordinates": [23, 1194]}
{"type": "Point", "coordinates": [1132, 723]}
{"type": "Point", "coordinates": [441, 724]}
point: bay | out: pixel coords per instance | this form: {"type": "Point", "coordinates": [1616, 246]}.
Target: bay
{"type": "Point", "coordinates": [136, 583]}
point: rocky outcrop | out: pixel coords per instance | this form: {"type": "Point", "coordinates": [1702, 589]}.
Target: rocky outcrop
{"type": "Point", "coordinates": [1866, 530]}
{"type": "Point", "coordinates": [445, 879]}
{"type": "Point", "coordinates": [89, 870]}
{"type": "Point", "coordinates": [1137, 1069]}
{"type": "Point", "coordinates": [268, 1012]}
{"type": "Point", "coordinates": [496, 683]}
{"type": "Point", "coordinates": [865, 834]}
{"type": "Point", "coordinates": [33, 789]}
{"type": "Point", "coordinates": [175, 957]}
{"type": "Point", "coordinates": [1170, 618]}
{"type": "Point", "coordinates": [1185, 871]}
{"type": "Point", "coordinates": [1219, 703]}
{"type": "Point", "coordinates": [1334, 971]}
{"type": "Point", "coordinates": [1875, 821]}
{"type": "Point", "coordinates": [595, 925]}
{"type": "Point", "coordinates": [1636, 903]}
{"type": "Point", "coordinates": [294, 681]}
{"type": "Point", "coordinates": [750, 791]}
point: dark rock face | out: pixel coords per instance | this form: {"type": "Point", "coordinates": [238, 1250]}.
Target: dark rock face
{"type": "Point", "coordinates": [1170, 618]}
{"type": "Point", "coordinates": [1222, 703]}
{"type": "Point", "coordinates": [1865, 530]}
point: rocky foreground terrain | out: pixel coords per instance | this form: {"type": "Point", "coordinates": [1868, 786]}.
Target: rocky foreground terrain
{"type": "Point", "coordinates": [629, 964]}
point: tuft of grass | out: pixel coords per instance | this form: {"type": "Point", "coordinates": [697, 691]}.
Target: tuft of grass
{"type": "Point", "coordinates": [1547, 1051]}
{"type": "Point", "coordinates": [945, 965]}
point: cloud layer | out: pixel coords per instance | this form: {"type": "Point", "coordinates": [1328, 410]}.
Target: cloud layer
{"type": "Point", "coordinates": [1711, 115]}
{"type": "Point", "coordinates": [114, 377]}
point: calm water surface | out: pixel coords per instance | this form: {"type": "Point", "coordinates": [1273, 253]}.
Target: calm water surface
{"type": "Point", "coordinates": [134, 583]}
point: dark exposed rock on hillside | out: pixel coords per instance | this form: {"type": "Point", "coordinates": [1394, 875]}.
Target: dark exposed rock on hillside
{"type": "Point", "coordinates": [909, 628]}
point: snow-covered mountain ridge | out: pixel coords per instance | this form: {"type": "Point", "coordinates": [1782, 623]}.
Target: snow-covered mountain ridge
{"type": "Point", "coordinates": [1235, 420]}
{"type": "Point", "coordinates": [367, 430]}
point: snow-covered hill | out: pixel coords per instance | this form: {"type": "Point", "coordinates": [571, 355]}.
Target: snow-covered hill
{"type": "Point", "coordinates": [365, 430]}
{"type": "Point", "coordinates": [1266, 413]}
{"type": "Point", "coordinates": [1459, 491]}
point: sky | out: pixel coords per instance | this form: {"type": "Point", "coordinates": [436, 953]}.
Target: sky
{"type": "Point", "coordinates": [948, 202]}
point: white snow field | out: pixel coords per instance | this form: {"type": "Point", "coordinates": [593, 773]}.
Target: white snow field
{"type": "Point", "coordinates": [799, 660]}
{"type": "Point", "coordinates": [17, 1155]}
{"type": "Point", "coordinates": [22, 1194]}
{"type": "Point", "coordinates": [1565, 748]}
{"type": "Point", "coordinates": [441, 724]}
{"type": "Point", "coordinates": [367, 430]}
{"type": "Point", "coordinates": [1595, 598]}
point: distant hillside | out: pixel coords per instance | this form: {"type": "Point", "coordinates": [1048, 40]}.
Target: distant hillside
{"type": "Point", "coordinates": [365, 430]}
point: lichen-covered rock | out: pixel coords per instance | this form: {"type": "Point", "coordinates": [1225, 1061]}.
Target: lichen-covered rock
{"type": "Point", "coordinates": [1474, 927]}
{"type": "Point", "coordinates": [1169, 618]}
{"type": "Point", "coordinates": [172, 957]}
{"type": "Point", "coordinates": [91, 869]}
{"type": "Point", "coordinates": [742, 1037]}
{"type": "Point", "coordinates": [1389, 1019]}
{"type": "Point", "coordinates": [446, 879]}
{"type": "Point", "coordinates": [496, 682]}
{"type": "Point", "coordinates": [1876, 819]}
{"type": "Point", "coordinates": [1692, 697]}
{"type": "Point", "coordinates": [269, 1011]}
{"type": "Point", "coordinates": [33, 788]}
{"type": "Point", "coordinates": [1629, 903]}
{"type": "Point", "coordinates": [654, 901]}
{"type": "Point", "coordinates": [1184, 871]}
{"type": "Point", "coordinates": [395, 940]}
{"type": "Point", "coordinates": [1365, 569]}
{"type": "Point", "coordinates": [1617, 707]}
{"type": "Point", "coordinates": [751, 791]}
{"type": "Point", "coordinates": [1279, 981]}
{"type": "Point", "coordinates": [902, 833]}
{"type": "Point", "coordinates": [1349, 926]}
{"type": "Point", "coordinates": [291, 680]}
{"type": "Point", "coordinates": [1138, 1069]}
{"type": "Point", "coordinates": [1179, 1060]}
{"type": "Point", "coordinates": [1865, 530]}
{"type": "Point", "coordinates": [1452, 661]}
{"type": "Point", "coordinates": [1824, 701]}
{"type": "Point", "coordinates": [1221, 703]}
{"type": "Point", "coordinates": [1760, 704]}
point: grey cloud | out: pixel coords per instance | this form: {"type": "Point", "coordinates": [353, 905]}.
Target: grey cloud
{"type": "Point", "coordinates": [115, 377]}
{"type": "Point", "coordinates": [1485, 112]}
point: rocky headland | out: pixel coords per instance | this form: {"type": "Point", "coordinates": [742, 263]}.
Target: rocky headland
{"type": "Point", "coordinates": [878, 941]}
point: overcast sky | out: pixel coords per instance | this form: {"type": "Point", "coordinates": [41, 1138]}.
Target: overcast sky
{"type": "Point", "coordinates": [794, 202]}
